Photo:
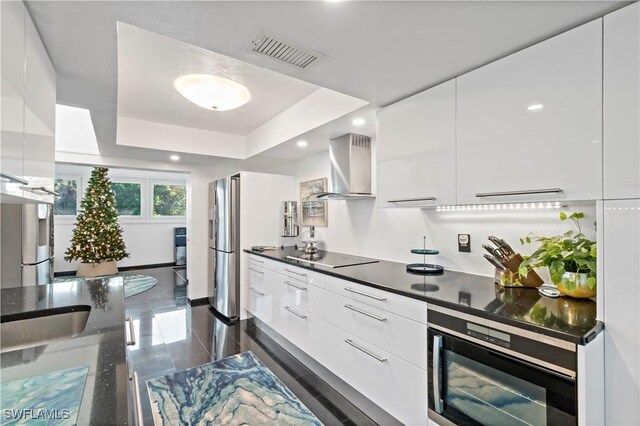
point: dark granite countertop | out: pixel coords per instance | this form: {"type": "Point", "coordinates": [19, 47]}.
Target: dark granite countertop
{"type": "Point", "coordinates": [568, 319]}
{"type": "Point", "coordinates": [101, 345]}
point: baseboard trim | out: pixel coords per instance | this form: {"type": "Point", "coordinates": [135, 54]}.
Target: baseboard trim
{"type": "Point", "coordinates": [122, 268]}
{"type": "Point", "coordinates": [198, 302]}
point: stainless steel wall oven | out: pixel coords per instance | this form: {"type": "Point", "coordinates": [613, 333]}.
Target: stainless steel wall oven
{"type": "Point", "coordinates": [482, 372]}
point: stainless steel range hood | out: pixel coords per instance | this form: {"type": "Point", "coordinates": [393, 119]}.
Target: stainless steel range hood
{"type": "Point", "coordinates": [350, 157]}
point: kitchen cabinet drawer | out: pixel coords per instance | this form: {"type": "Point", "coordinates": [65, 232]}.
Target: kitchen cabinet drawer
{"type": "Point", "coordinates": [397, 386]}
{"type": "Point", "coordinates": [257, 261]}
{"type": "Point", "coordinates": [416, 149]}
{"type": "Point", "coordinates": [621, 103]}
{"type": "Point", "coordinates": [261, 304]}
{"type": "Point", "coordinates": [400, 305]}
{"type": "Point", "coordinates": [531, 123]}
{"type": "Point", "coordinates": [298, 293]}
{"type": "Point", "coordinates": [300, 274]}
{"type": "Point", "coordinates": [398, 335]}
{"type": "Point", "coordinates": [302, 328]}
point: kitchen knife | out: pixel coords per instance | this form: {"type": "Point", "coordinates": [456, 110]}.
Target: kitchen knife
{"type": "Point", "coordinates": [495, 262]}
{"type": "Point", "coordinates": [496, 241]}
{"type": "Point", "coordinates": [493, 252]}
{"type": "Point", "coordinates": [507, 247]}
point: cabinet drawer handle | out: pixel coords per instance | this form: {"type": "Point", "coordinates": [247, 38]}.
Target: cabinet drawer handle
{"type": "Point", "coordinates": [523, 192]}
{"type": "Point", "coordinates": [13, 179]}
{"type": "Point", "coordinates": [353, 290]}
{"type": "Point", "coordinates": [256, 260]}
{"type": "Point", "coordinates": [294, 272]}
{"type": "Point", "coordinates": [295, 286]}
{"type": "Point", "coordinates": [411, 200]}
{"type": "Point", "coordinates": [255, 270]}
{"type": "Point", "coordinates": [132, 336]}
{"type": "Point", "coordinates": [137, 401]}
{"type": "Point", "coordinates": [295, 313]}
{"type": "Point", "coordinates": [353, 308]}
{"type": "Point", "coordinates": [41, 189]}
{"type": "Point", "coordinates": [259, 293]}
{"type": "Point", "coordinates": [366, 351]}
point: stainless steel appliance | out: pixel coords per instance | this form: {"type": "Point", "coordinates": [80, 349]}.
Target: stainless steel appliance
{"type": "Point", "coordinates": [290, 219]}
{"type": "Point", "coordinates": [180, 246]}
{"type": "Point", "coordinates": [27, 246]}
{"type": "Point", "coordinates": [224, 240]}
{"type": "Point", "coordinates": [482, 372]}
{"type": "Point", "coordinates": [350, 157]}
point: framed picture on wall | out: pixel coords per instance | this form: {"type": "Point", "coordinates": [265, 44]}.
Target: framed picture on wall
{"type": "Point", "coordinates": [313, 212]}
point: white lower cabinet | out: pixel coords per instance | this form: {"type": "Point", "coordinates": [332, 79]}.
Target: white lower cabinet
{"type": "Point", "coordinates": [402, 336]}
{"type": "Point", "coordinates": [300, 294]}
{"type": "Point", "coordinates": [302, 328]}
{"type": "Point", "coordinates": [397, 386]}
{"type": "Point", "coordinates": [261, 297]}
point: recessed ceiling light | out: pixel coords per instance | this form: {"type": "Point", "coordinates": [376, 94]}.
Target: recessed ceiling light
{"type": "Point", "coordinates": [535, 107]}
{"type": "Point", "coordinates": [174, 157]}
{"type": "Point", "coordinates": [358, 121]}
{"type": "Point", "coordinates": [302, 144]}
{"type": "Point", "coordinates": [211, 92]}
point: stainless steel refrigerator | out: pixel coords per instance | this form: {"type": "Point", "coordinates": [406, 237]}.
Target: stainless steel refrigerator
{"type": "Point", "coordinates": [27, 244]}
{"type": "Point", "coordinates": [224, 240]}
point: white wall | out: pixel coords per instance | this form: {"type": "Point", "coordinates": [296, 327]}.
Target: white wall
{"type": "Point", "coordinates": [361, 228]}
{"type": "Point", "coordinates": [148, 240]}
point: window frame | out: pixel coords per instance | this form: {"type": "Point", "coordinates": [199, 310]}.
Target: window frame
{"type": "Point", "coordinates": [143, 190]}
{"type": "Point", "coordinates": [152, 184]}
{"type": "Point", "coordinates": [79, 194]}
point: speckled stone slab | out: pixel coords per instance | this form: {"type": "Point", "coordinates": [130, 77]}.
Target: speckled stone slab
{"type": "Point", "coordinates": [49, 399]}
{"type": "Point", "coordinates": [133, 284]}
{"type": "Point", "coordinates": [238, 390]}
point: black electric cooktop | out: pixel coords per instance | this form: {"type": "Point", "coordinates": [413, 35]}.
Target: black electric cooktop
{"type": "Point", "coordinates": [330, 260]}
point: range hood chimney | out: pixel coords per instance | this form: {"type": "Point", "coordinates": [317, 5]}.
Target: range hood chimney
{"type": "Point", "coordinates": [350, 157]}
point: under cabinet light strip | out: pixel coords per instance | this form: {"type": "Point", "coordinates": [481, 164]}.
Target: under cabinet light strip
{"type": "Point", "coordinates": [497, 207]}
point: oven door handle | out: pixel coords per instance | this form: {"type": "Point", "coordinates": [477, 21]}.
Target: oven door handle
{"type": "Point", "coordinates": [437, 349]}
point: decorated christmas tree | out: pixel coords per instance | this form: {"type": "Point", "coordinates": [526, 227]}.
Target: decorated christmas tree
{"type": "Point", "coordinates": [97, 236]}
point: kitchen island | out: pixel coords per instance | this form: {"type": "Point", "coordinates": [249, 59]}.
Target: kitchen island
{"type": "Point", "coordinates": [101, 345]}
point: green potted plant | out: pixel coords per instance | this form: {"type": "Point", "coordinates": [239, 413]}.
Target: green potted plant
{"type": "Point", "coordinates": [570, 257]}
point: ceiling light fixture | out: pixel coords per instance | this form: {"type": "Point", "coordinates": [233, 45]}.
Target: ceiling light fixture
{"type": "Point", "coordinates": [174, 157]}
{"type": "Point", "coordinates": [302, 144]}
{"type": "Point", "coordinates": [535, 107]}
{"type": "Point", "coordinates": [358, 121]}
{"type": "Point", "coordinates": [211, 92]}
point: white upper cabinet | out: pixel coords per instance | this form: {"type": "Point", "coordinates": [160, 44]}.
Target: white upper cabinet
{"type": "Point", "coordinates": [532, 123]}
{"type": "Point", "coordinates": [416, 149]}
{"type": "Point", "coordinates": [12, 15]}
{"type": "Point", "coordinates": [39, 118]}
{"type": "Point", "coordinates": [27, 151]}
{"type": "Point", "coordinates": [621, 104]}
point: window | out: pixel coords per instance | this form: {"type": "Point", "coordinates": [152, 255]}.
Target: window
{"type": "Point", "coordinates": [169, 200]}
{"type": "Point", "coordinates": [128, 198]}
{"type": "Point", "coordinates": [66, 202]}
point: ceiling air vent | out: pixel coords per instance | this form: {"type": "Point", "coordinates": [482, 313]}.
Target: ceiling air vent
{"type": "Point", "coordinates": [283, 51]}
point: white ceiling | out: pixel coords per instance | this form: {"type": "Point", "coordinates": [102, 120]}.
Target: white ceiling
{"type": "Point", "coordinates": [378, 51]}
{"type": "Point", "coordinates": [148, 63]}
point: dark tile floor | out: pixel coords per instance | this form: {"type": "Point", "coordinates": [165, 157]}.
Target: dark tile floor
{"type": "Point", "coordinates": [172, 336]}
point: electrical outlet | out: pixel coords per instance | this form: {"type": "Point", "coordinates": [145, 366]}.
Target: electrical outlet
{"type": "Point", "coordinates": [464, 243]}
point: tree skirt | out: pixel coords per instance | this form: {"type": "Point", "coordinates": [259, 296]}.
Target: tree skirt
{"type": "Point", "coordinates": [133, 284]}
{"type": "Point", "coordinates": [237, 390]}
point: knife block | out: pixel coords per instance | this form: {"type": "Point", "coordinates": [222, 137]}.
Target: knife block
{"type": "Point", "coordinates": [512, 277]}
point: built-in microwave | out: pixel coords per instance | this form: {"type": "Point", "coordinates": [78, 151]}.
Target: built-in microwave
{"type": "Point", "coordinates": [486, 373]}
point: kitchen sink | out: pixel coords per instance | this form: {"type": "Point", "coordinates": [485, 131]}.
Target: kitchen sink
{"type": "Point", "coordinates": [35, 328]}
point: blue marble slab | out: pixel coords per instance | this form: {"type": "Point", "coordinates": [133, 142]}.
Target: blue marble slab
{"type": "Point", "coordinates": [49, 399]}
{"type": "Point", "coordinates": [238, 390]}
